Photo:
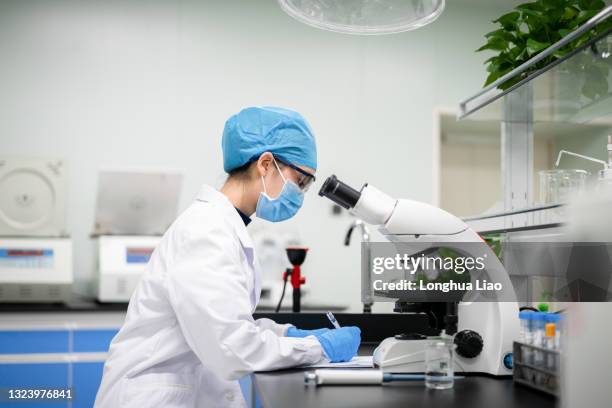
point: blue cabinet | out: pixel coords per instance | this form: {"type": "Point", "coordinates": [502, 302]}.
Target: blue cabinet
{"type": "Point", "coordinates": [34, 375]}
{"type": "Point", "coordinates": [49, 359]}
{"type": "Point", "coordinates": [86, 379]}
{"type": "Point", "coordinates": [92, 340]}
{"type": "Point", "coordinates": [34, 341]}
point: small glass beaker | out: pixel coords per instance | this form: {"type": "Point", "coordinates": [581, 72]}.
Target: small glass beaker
{"type": "Point", "coordinates": [439, 360]}
{"type": "Point", "coordinates": [559, 186]}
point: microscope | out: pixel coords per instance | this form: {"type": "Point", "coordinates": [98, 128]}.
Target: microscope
{"type": "Point", "coordinates": [483, 331]}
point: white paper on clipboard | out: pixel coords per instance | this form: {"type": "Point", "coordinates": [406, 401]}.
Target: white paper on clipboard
{"type": "Point", "coordinates": [356, 362]}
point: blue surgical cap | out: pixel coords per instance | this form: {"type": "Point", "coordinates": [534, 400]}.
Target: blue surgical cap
{"type": "Point", "coordinates": [257, 130]}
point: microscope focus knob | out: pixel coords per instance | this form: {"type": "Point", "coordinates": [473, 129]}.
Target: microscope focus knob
{"type": "Point", "coordinates": [469, 343]}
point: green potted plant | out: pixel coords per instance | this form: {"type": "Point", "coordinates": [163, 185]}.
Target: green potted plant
{"type": "Point", "coordinates": [532, 27]}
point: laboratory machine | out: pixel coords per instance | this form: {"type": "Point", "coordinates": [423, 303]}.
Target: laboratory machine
{"type": "Point", "coordinates": [133, 210]}
{"type": "Point", "coordinates": [35, 249]}
{"type": "Point", "coordinates": [482, 330]}
{"type": "Point", "coordinates": [270, 243]}
{"type": "Point", "coordinates": [296, 256]}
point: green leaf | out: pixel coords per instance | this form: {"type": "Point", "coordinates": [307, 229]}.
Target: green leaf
{"type": "Point", "coordinates": [491, 78]}
{"type": "Point", "coordinates": [499, 65]}
{"type": "Point", "coordinates": [585, 15]}
{"type": "Point", "coordinates": [552, 4]}
{"type": "Point", "coordinates": [509, 20]}
{"type": "Point", "coordinates": [502, 57]}
{"type": "Point", "coordinates": [561, 53]}
{"type": "Point", "coordinates": [603, 27]}
{"type": "Point", "coordinates": [533, 46]}
{"type": "Point", "coordinates": [493, 67]}
{"type": "Point", "coordinates": [540, 15]}
{"type": "Point", "coordinates": [554, 15]}
{"type": "Point", "coordinates": [569, 13]}
{"type": "Point", "coordinates": [580, 41]}
{"type": "Point", "coordinates": [501, 34]}
{"type": "Point", "coordinates": [533, 26]}
{"type": "Point", "coordinates": [495, 44]}
{"type": "Point", "coordinates": [591, 4]}
{"type": "Point", "coordinates": [528, 6]}
{"type": "Point", "coordinates": [515, 52]}
{"type": "Point", "coordinates": [507, 84]}
{"type": "Point", "coordinates": [535, 23]}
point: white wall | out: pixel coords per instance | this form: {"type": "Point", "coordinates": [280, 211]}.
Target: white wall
{"type": "Point", "coordinates": [150, 83]}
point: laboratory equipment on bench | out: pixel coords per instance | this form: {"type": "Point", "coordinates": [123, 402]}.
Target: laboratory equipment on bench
{"type": "Point", "coordinates": [605, 174]}
{"type": "Point", "coordinates": [270, 245]}
{"type": "Point", "coordinates": [35, 249]}
{"type": "Point", "coordinates": [296, 256]}
{"type": "Point", "coordinates": [549, 343]}
{"type": "Point", "coordinates": [559, 186]}
{"type": "Point", "coordinates": [439, 364]}
{"type": "Point", "coordinates": [364, 16]}
{"type": "Point", "coordinates": [133, 210]}
{"type": "Point", "coordinates": [537, 353]}
{"type": "Point", "coordinates": [121, 261]}
{"type": "Point", "coordinates": [336, 376]}
{"type": "Point", "coordinates": [542, 374]}
{"type": "Point", "coordinates": [483, 331]}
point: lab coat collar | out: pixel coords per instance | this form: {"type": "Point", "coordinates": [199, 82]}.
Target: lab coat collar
{"type": "Point", "coordinates": [219, 200]}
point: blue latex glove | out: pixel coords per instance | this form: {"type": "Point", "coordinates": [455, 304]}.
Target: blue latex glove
{"type": "Point", "coordinates": [340, 344]}
{"type": "Point", "coordinates": [295, 332]}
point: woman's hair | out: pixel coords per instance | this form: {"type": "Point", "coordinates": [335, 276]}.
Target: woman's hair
{"type": "Point", "coordinates": [240, 173]}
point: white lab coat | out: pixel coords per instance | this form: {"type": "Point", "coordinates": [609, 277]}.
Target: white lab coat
{"type": "Point", "coordinates": [189, 333]}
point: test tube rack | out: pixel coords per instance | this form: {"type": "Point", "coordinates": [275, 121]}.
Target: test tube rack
{"type": "Point", "coordinates": [537, 367]}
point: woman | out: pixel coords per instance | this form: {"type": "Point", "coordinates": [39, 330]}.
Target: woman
{"type": "Point", "coordinates": [189, 333]}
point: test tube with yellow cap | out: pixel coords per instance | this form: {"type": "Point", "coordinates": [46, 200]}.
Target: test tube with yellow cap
{"type": "Point", "coordinates": [550, 333]}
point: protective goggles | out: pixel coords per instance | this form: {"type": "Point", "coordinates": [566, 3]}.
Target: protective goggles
{"type": "Point", "coordinates": [305, 180]}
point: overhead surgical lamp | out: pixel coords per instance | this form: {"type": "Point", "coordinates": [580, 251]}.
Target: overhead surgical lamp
{"type": "Point", "coordinates": [365, 17]}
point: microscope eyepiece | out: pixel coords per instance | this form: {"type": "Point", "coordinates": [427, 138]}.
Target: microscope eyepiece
{"type": "Point", "coordinates": [340, 193]}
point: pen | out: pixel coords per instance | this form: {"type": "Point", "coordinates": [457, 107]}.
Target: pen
{"type": "Point", "coordinates": [333, 320]}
